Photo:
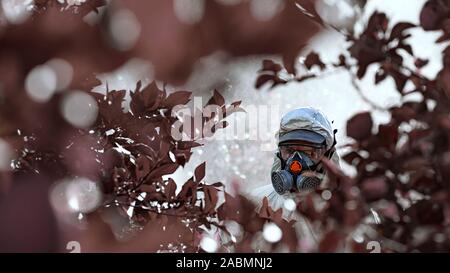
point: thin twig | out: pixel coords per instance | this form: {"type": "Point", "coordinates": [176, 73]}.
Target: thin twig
{"type": "Point", "coordinates": [355, 84]}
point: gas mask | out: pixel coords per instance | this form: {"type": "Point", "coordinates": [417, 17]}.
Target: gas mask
{"type": "Point", "coordinates": [298, 172]}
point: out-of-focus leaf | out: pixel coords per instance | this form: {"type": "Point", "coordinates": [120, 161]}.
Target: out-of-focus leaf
{"type": "Point", "coordinates": [398, 29]}
{"type": "Point", "coordinates": [313, 59]}
{"type": "Point", "coordinates": [359, 127]}
{"type": "Point", "coordinates": [163, 170]}
{"type": "Point", "coordinates": [330, 242]}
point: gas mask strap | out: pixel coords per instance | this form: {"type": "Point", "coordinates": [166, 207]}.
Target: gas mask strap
{"type": "Point", "coordinates": [329, 153]}
{"type": "Point", "coordinates": [283, 164]}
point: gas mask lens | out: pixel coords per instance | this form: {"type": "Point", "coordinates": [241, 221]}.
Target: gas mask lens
{"type": "Point", "coordinates": [315, 154]}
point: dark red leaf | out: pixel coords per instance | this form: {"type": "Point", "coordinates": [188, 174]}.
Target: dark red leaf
{"type": "Point", "coordinates": [426, 212]}
{"type": "Point", "coordinates": [330, 242]}
{"type": "Point", "coordinates": [211, 199]}
{"type": "Point", "coordinates": [170, 189]}
{"type": "Point", "coordinates": [400, 80]}
{"type": "Point", "coordinates": [142, 166]}
{"type": "Point", "coordinates": [388, 134]}
{"type": "Point", "coordinates": [402, 113]}
{"type": "Point", "coordinates": [265, 210]}
{"type": "Point", "coordinates": [374, 188]}
{"type": "Point", "coordinates": [218, 98]}
{"type": "Point", "coordinates": [380, 75]}
{"type": "Point", "coordinates": [163, 170]}
{"type": "Point", "coordinates": [188, 192]}
{"type": "Point", "coordinates": [359, 127]}
{"type": "Point", "coordinates": [397, 30]}
{"type": "Point", "coordinates": [236, 103]}
{"type": "Point", "coordinates": [342, 61]}
{"type": "Point", "coordinates": [377, 22]}
{"type": "Point", "coordinates": [431, 15]}
{"type": "Point", "coordinates": [217, 184]}
{"type": "Point", "coordinates": [199, 172]}
{"type": "Point", "coordinates": [269, 65]}
{"type": "Point", "coordinates": [149, 99]}
{"type": "Point", "coordinates": [110, 105]}
{"type": "Point", "coordinates": [444, 37]}
{"type": "Point", "coordinates": [176, 98]}
{"type": "Point", "coordinates": [262, 79]}
{"type": "Point", "coordinates": [163, 152]}
{"type": "Point", "coordinates": [313, 59]}
{"type": "Point", "coordinates": [407, 48]}
{"type": "Point", "coordinates": [352, 158]}
{"type": "Point", "coordinates": [183, 145]}
{"type": "Point", "coordinates": [419, 63]}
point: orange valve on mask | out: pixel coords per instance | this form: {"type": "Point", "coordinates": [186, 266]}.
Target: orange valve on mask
{"type": "Point", "coordinates": [295, 167]}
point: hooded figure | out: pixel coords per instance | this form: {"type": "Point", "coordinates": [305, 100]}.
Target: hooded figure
{"type": "Point", "coordinates": [305, 136]}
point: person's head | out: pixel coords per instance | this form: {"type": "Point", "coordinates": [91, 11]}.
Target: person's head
{"type": "Point", "coordinates": [304, 138]}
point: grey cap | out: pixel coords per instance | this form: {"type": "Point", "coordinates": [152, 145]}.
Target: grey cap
{"type": "Point", "coordinates": [311, 137]}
